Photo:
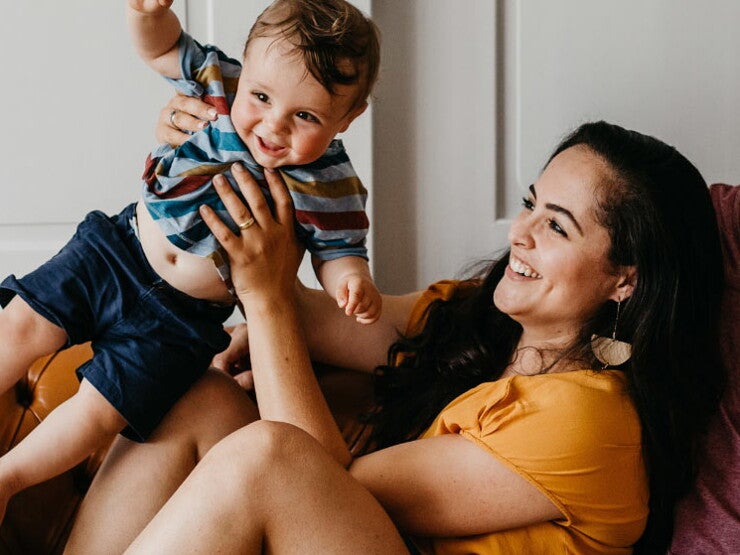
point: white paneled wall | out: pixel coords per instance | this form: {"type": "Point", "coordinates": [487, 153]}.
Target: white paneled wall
{"type": "Point", "coordinates": [476, 93]}
{"type": "Point", "coordinates": [473, 96]}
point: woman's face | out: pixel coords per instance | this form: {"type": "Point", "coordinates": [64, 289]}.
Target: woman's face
{"type": "Point", "coordinates": [558, 273]}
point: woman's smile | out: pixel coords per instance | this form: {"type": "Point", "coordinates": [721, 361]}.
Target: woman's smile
{"type": "Point", "coordinates": [521, 269]}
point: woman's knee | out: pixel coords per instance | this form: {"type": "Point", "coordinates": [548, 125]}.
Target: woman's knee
{"type": "Point", "coordinates": [211, 409]}
{"type": "Point", "coordinates": [263, 447]}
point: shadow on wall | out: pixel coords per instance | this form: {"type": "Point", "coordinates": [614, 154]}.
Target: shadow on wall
{"type": "Point", "coordinates": [395, 179]}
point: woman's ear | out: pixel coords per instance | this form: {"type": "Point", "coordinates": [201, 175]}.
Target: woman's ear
{"type": "Point", "coordinates": [627, 279]}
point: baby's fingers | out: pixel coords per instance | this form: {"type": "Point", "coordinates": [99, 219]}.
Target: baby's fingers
{"type": "Point", "coordinates": [354, 301]}
{"type": "Point", "coordinates": [370, 315]}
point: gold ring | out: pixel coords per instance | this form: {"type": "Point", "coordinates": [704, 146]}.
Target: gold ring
{"type": "Point", "coordinates": [246, 225]}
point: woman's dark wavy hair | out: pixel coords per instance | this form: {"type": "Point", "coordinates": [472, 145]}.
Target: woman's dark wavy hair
{"type": "Point", "coordinates": [337, 43]}
{"type": "Point", "coordinates": [660, 219]}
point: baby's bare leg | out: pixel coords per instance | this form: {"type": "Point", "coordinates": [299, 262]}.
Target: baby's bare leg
{"type": "Point", "coordinates": [136, 479]}
{"type": "Point", "coordinates": [24, 336]}
{"type": "Point", "coordinates": [70, 433]}
{"type": "Point", "coordinates": [270, 488]}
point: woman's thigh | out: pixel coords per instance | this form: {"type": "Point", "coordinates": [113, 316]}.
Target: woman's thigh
{"type": "Point", "coordinates": [271, 487]}
{"type": "Point", "coordinates": [136, 479]}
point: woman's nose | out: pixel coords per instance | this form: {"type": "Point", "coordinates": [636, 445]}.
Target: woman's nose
{"type": "Point", "coordinates": [520, 231]}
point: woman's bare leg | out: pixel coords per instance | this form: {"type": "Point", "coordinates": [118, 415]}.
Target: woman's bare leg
{"type": "Point", "coordinates": [270, 487]}
{"type": "Point", "coordinates": [136, 479]}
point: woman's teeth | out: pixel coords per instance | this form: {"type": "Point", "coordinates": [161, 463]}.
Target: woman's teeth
{"type": "Point", "coordinates": [522, 269]}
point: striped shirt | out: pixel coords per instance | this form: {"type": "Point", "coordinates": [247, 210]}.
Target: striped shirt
{"type": "Point", "coordinates": [328, 197]}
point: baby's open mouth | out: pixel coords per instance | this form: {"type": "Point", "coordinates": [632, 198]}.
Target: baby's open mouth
{"type": "Point", "coordinates": [269, 146]}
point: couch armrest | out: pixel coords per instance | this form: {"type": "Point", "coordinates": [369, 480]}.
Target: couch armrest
{"type": "Point", "coordinates": [38, 518]}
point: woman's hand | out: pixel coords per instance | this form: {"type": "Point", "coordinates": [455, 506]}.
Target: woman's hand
{"type": "Point", "coordinates": [234, 360]}
{"type": "Point", "coordinates": [180, 117]}
{"type": "Point", "coordinates": [264, 257]}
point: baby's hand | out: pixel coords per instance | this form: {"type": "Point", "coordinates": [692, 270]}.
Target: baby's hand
{"type": "Point", "coordinates": [150, 6]}
{"type": "Point", "coordinates": [358, 296]}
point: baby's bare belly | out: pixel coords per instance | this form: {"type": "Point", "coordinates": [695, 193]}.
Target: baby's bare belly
{"type": "Point", "coordinates": [186, 272]}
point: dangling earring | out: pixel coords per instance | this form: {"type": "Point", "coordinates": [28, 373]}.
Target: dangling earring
{"type": "Point", "coordinates": [608, 350]}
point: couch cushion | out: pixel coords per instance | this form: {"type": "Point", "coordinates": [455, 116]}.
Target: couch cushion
{"type": "Point", "coordinates": [708, 519]}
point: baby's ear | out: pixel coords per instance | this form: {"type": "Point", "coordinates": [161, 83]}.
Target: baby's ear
{"type": "Point", "coordinates": [625, 284]}
{"type": "Point", "coordinates": [349, 118]}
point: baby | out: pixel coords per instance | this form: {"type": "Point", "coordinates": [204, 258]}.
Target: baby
{"type": "Point", "coordinates": [150, 286]}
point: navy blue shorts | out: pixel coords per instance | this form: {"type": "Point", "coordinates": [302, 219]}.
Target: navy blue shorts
{"type": "Point", "coordinates": [150, 341]}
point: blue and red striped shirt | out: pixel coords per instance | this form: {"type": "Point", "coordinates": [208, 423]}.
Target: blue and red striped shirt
{"type": "Point", "coordinates": [328, 197]}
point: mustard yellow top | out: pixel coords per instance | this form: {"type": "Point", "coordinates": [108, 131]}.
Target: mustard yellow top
{"type": "Point", "coordinates": [574, 435]}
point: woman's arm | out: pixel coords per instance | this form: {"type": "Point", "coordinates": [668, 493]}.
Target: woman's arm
{"type": "Point", "coordinates": [335, 338]}
{"type": "Point", "coordinates": [450, 486]}
{"type": "Point", "coordinates": [331, 336]}
{"type": "Point", "coordinates": [264, 260]}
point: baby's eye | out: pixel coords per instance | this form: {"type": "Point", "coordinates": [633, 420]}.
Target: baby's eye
{"type": "Point", "coordinates": [527, 203]}
{"type": "Point", "coordinates": [308, 117]}
{"type": "Point", "coordinates": [556, 227]}
{"type": "Point", "coordinates": [262, 97]}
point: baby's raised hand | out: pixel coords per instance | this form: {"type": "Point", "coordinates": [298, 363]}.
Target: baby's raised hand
{"type": "Point", "coordinates": [150, 6]}
{"type": "Point", "coordinates": [357, 295]}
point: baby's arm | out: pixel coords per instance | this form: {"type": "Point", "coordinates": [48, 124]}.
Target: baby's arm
{"type": "Point", "coordinates": [348, 280]}
{"type": "Point", "coordinates": [155, 30]}
{"type": "Point", "coordinates": [70, 433]}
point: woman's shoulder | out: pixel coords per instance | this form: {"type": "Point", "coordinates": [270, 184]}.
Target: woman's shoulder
{"type": "Point", "coordinates": [575, 435]}
{"type": "Point", "coordinates": [584, 406]}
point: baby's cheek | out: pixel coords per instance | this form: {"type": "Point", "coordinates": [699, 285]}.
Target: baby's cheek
{"type": "Point", "coordinates": [310, 147]}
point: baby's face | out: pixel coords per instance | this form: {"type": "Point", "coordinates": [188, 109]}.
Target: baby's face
{"type": "Point", "coordinates": [281, 112]}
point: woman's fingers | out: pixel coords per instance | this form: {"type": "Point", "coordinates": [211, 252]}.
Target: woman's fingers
{"type": "Point", "coordinates": [254, 196]}
{"type": "Point", "coordinates": [180, 117]}
{"type": "Point", "coordinates": [280, 196]}
{"type": "Point", "coordinates": [165, 132]}
{"type": "Point", "coordinates": [220, 230]}
{"type": "Point", "coordinates": [239, 212]}
{"type": "Point", "coordinates": [237, 351]}
{"type": "Point", "coordinates": [195, 112]}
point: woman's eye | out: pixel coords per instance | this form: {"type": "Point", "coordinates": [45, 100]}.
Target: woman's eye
{"type": "Point", "coordinates": [262, 97]}
{"type": "Point", "coordinates": [556, 227]}
{"type": "Point", "coordinates": [308, 117]}
{"type": "Point", "coordinates": [527, 203]}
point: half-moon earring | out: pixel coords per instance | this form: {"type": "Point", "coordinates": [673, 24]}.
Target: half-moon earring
{"type": "Point", "coordinates": [609, 350]}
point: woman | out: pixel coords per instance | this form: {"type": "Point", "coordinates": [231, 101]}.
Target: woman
{"type": "Point", "coordinates": [555, 404]}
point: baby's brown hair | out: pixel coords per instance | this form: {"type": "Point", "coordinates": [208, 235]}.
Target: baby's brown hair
{"type": "Point", "coordinates": [338, 44]}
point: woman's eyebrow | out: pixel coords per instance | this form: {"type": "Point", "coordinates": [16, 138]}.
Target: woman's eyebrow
{"type": "Point", "coordinates": [559, 209]}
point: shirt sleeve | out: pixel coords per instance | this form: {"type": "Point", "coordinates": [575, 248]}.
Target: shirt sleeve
{"type": "Point", "coordinates": [206, 70]}
{"type": "Point", "coordinates": [329, 201]}
{"type": "Point", "coordinates": [574, 435]}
